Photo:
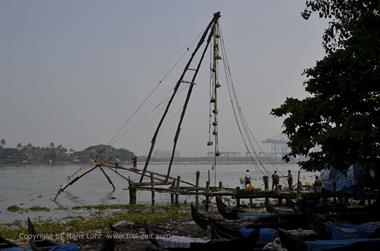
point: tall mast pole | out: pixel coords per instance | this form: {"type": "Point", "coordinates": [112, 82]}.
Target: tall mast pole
{"type": "Point", "coordinates": [214, 100]}
{"type": "Point", "coordinates": [153, 142]}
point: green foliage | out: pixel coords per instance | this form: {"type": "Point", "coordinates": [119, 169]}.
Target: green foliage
{"type": "Point", "coordinates": [38, 208]}
{"type": "Point", "coordinates": [338, 124]}
{"type": "Point", "coordinates": [345, 18]}
{"type": "Point", "coordinates": [59, 154]}
{"type": "Point", "coordinates": [13, 208]}
{"type": "Point", "coordinates": [80, 225]}
{"type": "Point", "coordinates": [104, 152]}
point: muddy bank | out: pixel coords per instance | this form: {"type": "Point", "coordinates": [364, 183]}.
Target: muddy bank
{"type": "Point", "coordinates": [94, 233]}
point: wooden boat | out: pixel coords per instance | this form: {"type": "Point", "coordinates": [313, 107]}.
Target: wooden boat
{"type": "Point", "coordinates": [37, 243]}
{"type": "Point", "coordinates": [367, 245]}
{"type": "Point", "coordinates": [224, 231]}
{"type": "Point", "coordinates": [279, 210]}
{"type": "Point", "coordinates": [290, 242]}
{"type": "Point", "coordinates": [4, 243]}
{"type": "Point", "coordinates": [298, 244]}
{"type": "Point", "coordinates": [286, 221]}
{"type": "Point", "coordinates": [228, 213]}
{"type": "Point", "coordinates": [178, 243]}
{"type": "Point", "coordinates": [200, 219]}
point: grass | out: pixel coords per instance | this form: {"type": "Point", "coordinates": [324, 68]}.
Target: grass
{"type": "Point", "coordinates": [13, 208]}
{"type": "Point", "coordinates": [79, 225]}
{"type": "Point", "coordinates": [38, 208]}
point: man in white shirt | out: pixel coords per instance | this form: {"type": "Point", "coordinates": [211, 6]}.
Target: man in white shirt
{"type": "Point", "coordinates": [247, 178]}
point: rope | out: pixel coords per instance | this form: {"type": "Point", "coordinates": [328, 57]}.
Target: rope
{"type": "Point", "coordinates": [150, 122]}
{"type": "Point", "coordinates": [154, 89]}
{"type": "Point", "coordinates": [162, 102]}
{"type": "Point", "coordinates": [247, 130]}
{"type": "Point", "coordinates": [235, 114]}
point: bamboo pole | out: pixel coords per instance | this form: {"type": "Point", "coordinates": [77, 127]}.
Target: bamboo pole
{"type": "Point", "coordinates": [152, 185]}
{"type": "Point", "coordinates": [237, 197]}
{"type": "Point", "coordinates": [108, 178]}
{"type": "Point", "coordinates": [197, 174]}
{"type": "Point", "coordinates": [61, 189]}
{"type": "Point", "coordinates": [171, 194]}
{"type": "Point", "coordinates": [177, 189]}
{"type": "Point", "coordinates": [207, 195]}
{"type": "Point", "coordinates": [117, 173]}
{"type": "Point", "coordinates": [132, 193]}
{"type": "Point", "coordinates": [153, 142]}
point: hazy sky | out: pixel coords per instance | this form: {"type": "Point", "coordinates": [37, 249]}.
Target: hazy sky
{"type": "Point", "coordinates": [72, 72]}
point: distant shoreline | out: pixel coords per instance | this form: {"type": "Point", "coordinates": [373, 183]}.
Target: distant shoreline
{"type": "Point", "coordinates": [159, 162]}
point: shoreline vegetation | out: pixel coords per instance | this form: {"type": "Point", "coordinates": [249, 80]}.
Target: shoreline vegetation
{"type": "Point", "coordinates": [30, 154]}
{"type": "Point", "coordinates": [59, 155]}
{"type": "Point", "coordinates": [80, 225]}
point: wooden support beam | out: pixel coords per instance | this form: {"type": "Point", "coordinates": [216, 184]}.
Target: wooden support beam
{"type": "Point", "coordinates": [237, 197]}
{"type": "Point", "coordinates": [197, 174]}
{"type": "Point", "coordinates": [122, 176]}
{"type": "Point", "coordinates": [157, 176]}
{"type": "Point", "coordinates": [61, 189]}
{"type": "Point", "coordinates": [177, 188]}
{"type": "Point", "coordinates": [207, 195]}
{"type": "Point", "coordinates": [132, 193]}
{"type": "Point", "coordinates": [108, 178]}
{"type": "Point", "coordinates": [171, 194]}
{"type": "Point", "coordinates": [152, 185]}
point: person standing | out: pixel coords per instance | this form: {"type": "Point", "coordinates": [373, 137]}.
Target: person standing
{"type": "Point", "coordinates": [266, 182]}
{"type": "Point", "coordinates": [134, 159]}
{"type": "Point", "coordinates": [290, 180]}
{"type": "Point", "coordinates": [117, 162]}
{"type": "Point", "coordinates": [275, 181]}
{"type": "Point", "coordinates": [317, 184]}
{"type": "Point", "coordinates": [247, 178]}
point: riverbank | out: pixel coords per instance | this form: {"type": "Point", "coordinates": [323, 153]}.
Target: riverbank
{"type": "Point", "coordinates": [92, 233]}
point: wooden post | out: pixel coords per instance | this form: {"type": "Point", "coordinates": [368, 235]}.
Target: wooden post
{"type": "Point", "coordinates": [171, 193]}
{"type": "Point", "coordinates": [334, 192]}
{"type": "Point", "coordinates": [177, 189]}
{"type": "Point", "coordinates": [279, 201]}
{"type": "Point", "coordinates": [132, 193]}
{"type": "Point", "coordinates": [197, 174]}
{"type": "Point", "coordinates": [208, 176]}
{"type": "Point", "coordinates": [237, 197]}
{"type": "Point", "coordinates": [152, 186]}
{"type": "Point", "coordinates": [298, 182]}
{"type": "Point", "coordinates": [266, 201]}
{"type": "Point", "coordinates": [220, 185]}
{"type": "Point", "coordinates": [207, 198]}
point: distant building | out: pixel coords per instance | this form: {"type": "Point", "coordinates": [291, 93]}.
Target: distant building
{"type": "Point", "coordinates": [165, 154]}
{"type": "Point", "coordinates": [278, 147]}
{"type": "Point", "coordinates": [10, 156]}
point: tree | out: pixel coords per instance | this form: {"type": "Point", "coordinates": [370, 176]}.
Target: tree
{"type": "Point", "coordinates": [338, 124]}
{"type": "Point", "coordinates": [19, 146]}
{"type": "Point", "coordinates": [3, 142]}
